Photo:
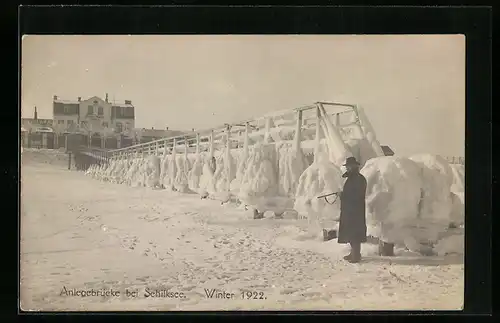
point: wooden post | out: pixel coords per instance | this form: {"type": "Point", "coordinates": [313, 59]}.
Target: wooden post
{"type": "Point", "coordinates": [69, 160]}
{"type": "Point", "coordinates": [66, 141]}
{"type": "Point", "coordinates": [197, 144]}
{"type": "Point", "coordinates": [186, 147]}
{"type": "Point", "coordinates": [245, 142]}
{"type": "Point", "coordinates": [337, 120]}
{"type": "Point", "coordinates": [298, 129]}
{"type": "Point", "coordinates": [211, 144]}
{"type": "Point", "coordinates": [157, 153]}
{"type": "Point", "coordinates": [317, 139]}
{"type": "Point", "coordinates": [165, 148]}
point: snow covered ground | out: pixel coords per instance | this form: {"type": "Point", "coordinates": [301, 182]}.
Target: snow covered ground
{"type": "Point", "coordinates": [79, 233]}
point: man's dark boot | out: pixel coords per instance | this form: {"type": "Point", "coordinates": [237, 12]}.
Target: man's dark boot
{"type": "Point", "coordinates": [349, 256]}
{"type": "Point", "coordinates": [356, 253]}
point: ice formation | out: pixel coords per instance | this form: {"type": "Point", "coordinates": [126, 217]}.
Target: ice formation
{"type": "Point", "coordinates": [194, 175]}
{"type": "Point", "coordinates": [458, 184]}
{"type": "Point", "coordinates": [322, 177]}
{"type": "Point", "coordinates": [436, 204]}
{"type": "Point", "coordinates": [392, 199]}
{"type": "Point", "coordinates": [337, 149]}
{"type": "Point", "coordinates": [369, 132]}
{"type": "Point", "coordinates": [181, 181]}
{"type": "Point", "coordinates": [259, 179]}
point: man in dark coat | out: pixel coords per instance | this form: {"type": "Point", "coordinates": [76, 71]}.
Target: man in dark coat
{"type": "Point", "coordinates": [352, 227]}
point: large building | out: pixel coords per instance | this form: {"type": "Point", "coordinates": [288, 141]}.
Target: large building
{"type": "Point", "coordinates": [93, 115]}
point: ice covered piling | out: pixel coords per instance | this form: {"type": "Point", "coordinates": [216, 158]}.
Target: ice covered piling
{"type": "Point", "coordinates": [337, 149]}
{"type": "Point", "coordinates": [392, 199]}
{"type": "Point", "coordinates": [322, 177]}
{"type": "Point", "coordinates": [436, 204]}
{"type": "Point", "coordinates": [154, 170]}
{"type": "Point", "coordinates": [259, 181]}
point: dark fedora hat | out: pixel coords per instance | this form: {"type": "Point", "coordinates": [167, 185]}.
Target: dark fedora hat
{"type": "Point", "coordinates": [351, 161]}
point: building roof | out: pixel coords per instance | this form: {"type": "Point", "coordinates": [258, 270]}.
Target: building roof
{"type": "Point", "coordinates": [66, 101]}
{"type": "Point", "coordinates": [122, 105]}
{"type": "Point", "coordinates": [113, 103]}
{"type": "Point", "coordinates": [158, 133]}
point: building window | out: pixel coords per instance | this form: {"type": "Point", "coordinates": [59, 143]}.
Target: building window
{"type": "Point", "coordinates": [90, 109]}
{"type": "Point", "coordinates": [60, 121]}
{"type": "Point", "coordinates": [100, 111]}
{"type": "Point", "coordinates": [105, 124]}
{"type": "Point", "coordinates": [70, 122]}
{"type": "Point", "coordinates": [118, 127]}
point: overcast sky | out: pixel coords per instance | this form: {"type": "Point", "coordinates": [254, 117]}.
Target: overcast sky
{"type": "Point", "coordinates": [411, 87]}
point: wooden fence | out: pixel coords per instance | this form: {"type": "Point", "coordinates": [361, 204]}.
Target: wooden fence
{"type": "Point", "coordinates": [278, 126]}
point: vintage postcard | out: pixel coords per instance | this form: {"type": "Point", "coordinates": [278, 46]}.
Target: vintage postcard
{"type": "Point", "coordinates": [252, 172]}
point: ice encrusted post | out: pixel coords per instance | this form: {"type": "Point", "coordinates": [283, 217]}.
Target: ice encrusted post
{"type": "Point", "coordinates": [338, 151]}
{"type": "Point", "coordinates": [211, 147]}
{"type": "Point", "coordinates": [368, 131]}
{"type": "Point", "coordinates": [245, 142]}
{"type": "Point", "coordinates": [197, 145]}
{"type": "Point", "coordinates": [298, 129]}
{"type": "Point", "coordinates": [317, 139]}
{"type": "Point", "coordinates": [165, 144]}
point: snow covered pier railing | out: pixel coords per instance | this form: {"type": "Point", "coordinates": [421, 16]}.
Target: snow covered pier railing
{"type": "Point", "coordinates": [277, 127]}
{"type": "Point", "coordinates": [258, 162]}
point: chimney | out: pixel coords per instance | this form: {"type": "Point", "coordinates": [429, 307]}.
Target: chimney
{"type": "Point", "coordinates": [35, 114]}
{"type": "Point", "coordinates": [106, 97]}
{"type": "Point", "coordinates": [55, 97]}
{"type": "Point", "coordinates": [128, 102]}
{"type": "Point", "coordinates": [79, 99]}
{"type": "Point", "coordinates": [167, 128]}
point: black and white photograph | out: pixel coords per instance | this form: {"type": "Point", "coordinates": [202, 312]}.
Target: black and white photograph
{"type": "Point", "coordinates": [242, 172]}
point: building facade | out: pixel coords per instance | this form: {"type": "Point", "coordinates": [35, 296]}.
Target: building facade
{"type": "Point", "coordinates": [93, 115]}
